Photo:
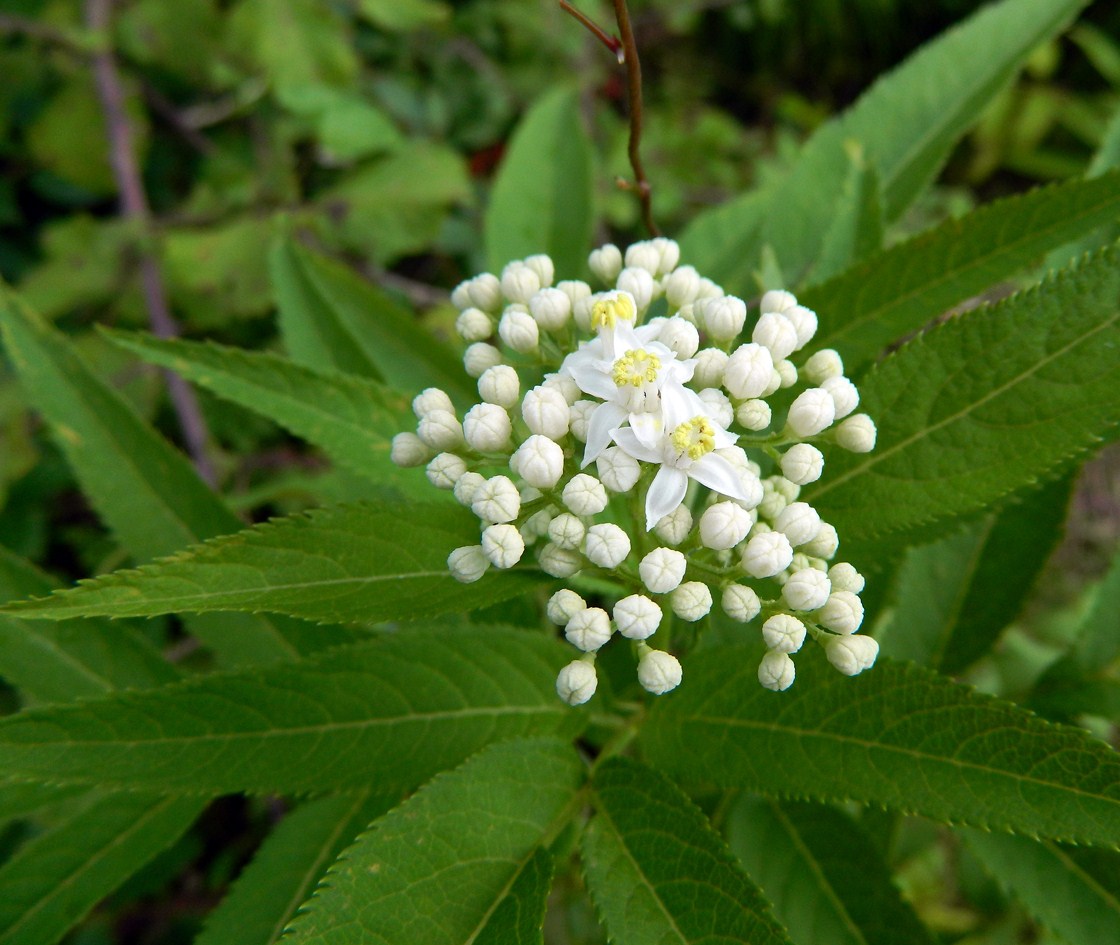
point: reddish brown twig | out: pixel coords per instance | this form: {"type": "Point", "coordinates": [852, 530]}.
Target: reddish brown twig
{"type": "Point", "coordinates": [611, 42]}
{"type": "Point", "coordinates": [134, 207]}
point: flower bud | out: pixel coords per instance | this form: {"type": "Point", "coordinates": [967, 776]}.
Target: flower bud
{"type": "Point", "coordinates": [500, 385]}
{"type": "Point", "coordinates": [842, 613]}
{"type": "Point", "coordinates": [606, 545]}
{"type": "Point", "coordinates": [845, 577]}
{"type": "Point", "coordinates": [467, 564]}
{"type": "Point", "coordinates": [543, 266]}
{"type": "Point", "coordinates": [618, 471]}
{"type": "Point", "coordinates": [588, 629]}
{"type": "Point", "coordinates": [637, 617]}
{"type": "Point", "coordinates": [460, 295]}
{"type": "Point", "coordinates": [567, 388]}
{"type": "Point", "coordinates": [441, 430]}
{"type": "Point", "coordinates": [804, 321]}
{"type": "Point", "coordinates": [806, 589]}
{"type": "Point", "coordinates": [719, 407]}
{"type": "Point", "coordinates": [539, 461]}
{"type": "Point", "coordinates": [710, 365]}
{"type": "Point", "coordinates": [812, 411]}
{"type": "Point", "coordinates": [674, 527]}
{"type": "Point", "coordinates": [753, 414]}
{"type": "Point", "coordinates": [643, 255]}
{"type": "Point", "coordinates": [856, 434]}
{"type": "Point", "coordinates": [851, 655]}
{"type": "Point", "coordinates": [558, 561]}
{"type": "Point", "coordinates": [724, 525]}
{"type": "Point", "coordinates": [799, 521]}
{"type": "Point", "coordinates": [740, 603]}
{"type": "Point", "coordinates": [484, 292]}
{"type": "Point", "coordinates": [536, 525]}
{"type": "Point", "coordinates": [775, 332]}
{"type": "Point", "coordinates": [563, 605]}
{"type": "Point", "coordinates": [496, 501]}
{"type": "Point", "coordinates": [776, 300]}
{"type": "Point", "coordinates": [802, 464]}
{"type": "Point", "coordinates": [843, 393]}
{"type": "Point", "coordinates": [682, 287]}
{"type": "Point", "coordinates": [473, 324]}
{"type": "Point", "coordinates": [409, 450]}
{"type": "Point", "coordinates": [445, 469]}
{"type": "Point", "coordinates": [546, 412]}
{"type": "Point", "coordinates": [723, 317]}
{"type": "Point", "coordinates": [584, 495]}
{"type": "Point", "coordinates": [784, 633]}
{"type": "Point", "coordinates": [787, 373]}
{"type": "Point", "coordinates": [821, 366]}
{"type": "Point", "coordinates": [749, 371]}
{"type": "Point", "coordinates": [487, 428]}
{"type": "Point", "coordinates": [776, 671]}
{"type": "Point", "coordinates": [680, 337]}
{"type": "Point", "coordinates": [767, 554]}
{"type": "Point", "coordinates": [520, 282]}
{"type": "Point", "coordinates": [466, 487]}
{"type": "Point", "coordinates": [430, 400]}
{"type": "Point", "coordinates": [577, 682]}
{"type": "Point", "coordinates": [581, 412]}
{"type": "Point", "coordinates": [566, 531]}
{"type": "Point", "coordinates": [659, 672]}
{"type": "Point", "coordinates": [670, 252]}
{"type": "Point", "coordinates": [825, 544]}
{"type": "Point", "coordinates": [575, 290]}
{"type": "Point", "coordinates": [480, 356]}
{"type": "Point", "coordinates": [518, 330]}
{"type": "Point", "coordinates": [662, 570]}
{"type": "Point", "coordinates": [691, 601]}
{"type": "Point", "coordinates": [639, 284]}
{"type": "Point", "coordinates": [502, 545]}
{"type": "Point", "coordinates": [551, 309]}
{"type": "Point", "coordinates": [606, 263]}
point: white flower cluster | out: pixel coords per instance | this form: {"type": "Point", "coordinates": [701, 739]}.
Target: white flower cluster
{"type": "Point", "coordinates": [624, 430]}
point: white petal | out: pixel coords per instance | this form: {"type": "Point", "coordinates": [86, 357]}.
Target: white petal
{"type": "Point", "coordinates": [649, 430]}
{"type": "Point", "coordinates": [666, 492]}
{"type": "Point", "coordinates": [718, 474]}
{"type": "Point", "coordinates": [591, 378]}
{"type": "Point", "coordinates": [604, 420]}
{"type": "Point", "coordinates": [679, 407]}
{"type": "Point", "coordinates": [629, 443]}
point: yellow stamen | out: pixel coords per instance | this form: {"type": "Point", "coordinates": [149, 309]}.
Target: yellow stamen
{"type": "Point", "coordinates": [635, 368]}
{"type": "Point", "coordinates": [606, 312]}
{"type": "Point", "coordinates": [694, 437]}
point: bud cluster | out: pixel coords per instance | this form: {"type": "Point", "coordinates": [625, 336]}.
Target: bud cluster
{"type": "Point", "coordinates": [624, 432]}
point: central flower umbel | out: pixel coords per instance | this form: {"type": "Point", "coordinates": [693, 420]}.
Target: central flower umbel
{"type": "Point", "coordinates": [694, 438]}
{"type": "Point", "coordinates": [636, 367]}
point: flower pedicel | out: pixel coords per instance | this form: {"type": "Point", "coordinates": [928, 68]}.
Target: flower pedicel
{"type": "Point", "coordinates": [619, 432]}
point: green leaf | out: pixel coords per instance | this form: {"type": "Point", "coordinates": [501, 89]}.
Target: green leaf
{"type": "Point", "coordinates": [897, 735]}
{"type": "Point", "coordinates": [353, 419]}
{"type": "Point", "coordinates": [142, 487]}
{"type": "Point", "coordinates": [1075, 892]}
{"type": "Point", "coordinates": [828, 883]}
{"type": "Point", "coordinates": [906, 123]}
{"type": "Point", "coordinates": [983, 405]}
{"type": "Point", "coordinates": [902, 289]}
{"type": "Point", "coordinates": [292, 859]}
{"type": "Point", "coordinates": [956, 595]}
{"type": "Point", "coordinates": [21, 798]}
{"type": "Point", "coordinates": [331, 318]}
{"type": "Point", "coordinates": [58, 662]}
{"type": "Point", "coordinates": [518, 919]}
{"type": "Point", "coordinates": [543, 196]}
{"type": "Point", "coordinates": [491, 816]}
{"type": "Point", "coordinates": [348, 564]}
{"type": "Point", "coordinates": [54, 879]}
{"type": "Point", "coordinates": [856, 229]}
{"type": "Point", "coordinates": [403, 15]}
{"type": "Point", "coordinates": [659, 873]}
{"type": "Point", "coordinates": [392, 713]}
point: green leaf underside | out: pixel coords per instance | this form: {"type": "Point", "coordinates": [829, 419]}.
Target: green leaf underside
{"type": "Point", "coordinates": [543, 196]}
{"type": "Point", "coordinates": [344, 564]}
{"type": "Point", "coordinates": [490, 816]}
{"type": "Point", "coordinates": [955, 596]}
{"type": "Point", "coordinates": [902, 289]}
{"type": "Point", "coordinates": [986, 403]}
{"type": "Point", "coordinates": [906, 125]}
{"type": "Point", "coordinates": [1075, 892]}
{"type": "Point", "coordinates": [333, 319]}
{"type": "Point", "coordinates": [897, 735]}
{"type": "Point", "coordinates": [827, 882]}
{"type": "Point", "coordinates": [657, 871]}
{"type": "Point", "coordinates": [352, 419]}
{"type": "Point", "coordinates": [285, 870]}
{"type": "Point", "coordinates": [142, 487]}
{"type": "Point", "coordinates": [392, 712]}
{"type": "Point", "coordinates": [54, 879]}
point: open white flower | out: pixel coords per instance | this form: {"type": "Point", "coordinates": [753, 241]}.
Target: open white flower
{"type": "Point", "coordinates": [681, 442]}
